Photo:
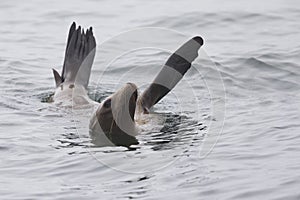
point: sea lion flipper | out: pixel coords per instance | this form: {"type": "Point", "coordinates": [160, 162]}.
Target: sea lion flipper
{"type": "Point", "coordinates": [87, 53]}
{"type": "Point", "coordinates": [71, 31]}
{"type": "Point", "coordinates": [176, 66]}
{"type": "Point", "coordinates": [79, 56]}
{"type": "Point", "coordinates": [57, 78]}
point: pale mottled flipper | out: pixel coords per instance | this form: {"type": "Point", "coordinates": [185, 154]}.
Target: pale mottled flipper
{"type": "Point", "coordinates": [173, 71]}
{"type": "Point", "coordinates": [79, 57]}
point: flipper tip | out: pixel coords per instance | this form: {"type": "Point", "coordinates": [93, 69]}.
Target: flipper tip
{"type": "Point", "coordinates": [58, 79]}
{"type": "Point", "coordinates": [199, 40]}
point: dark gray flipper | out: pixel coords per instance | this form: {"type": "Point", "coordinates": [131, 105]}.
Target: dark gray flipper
{"type": "Point", "coordinates": [71, 31]}
{"type": "Point", "coordinates": [173, 71]}
{"type": "Point", "coordinates": [57, 77]}
{"type": "Point", "coordinates": [79, 57]}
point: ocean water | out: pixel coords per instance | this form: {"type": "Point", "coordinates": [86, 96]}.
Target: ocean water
{"type": "Point", "coordinates": [229, 130]}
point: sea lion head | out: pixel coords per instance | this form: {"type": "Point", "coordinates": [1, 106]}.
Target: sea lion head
{"type": "Point", "coordinates": [116, 116]}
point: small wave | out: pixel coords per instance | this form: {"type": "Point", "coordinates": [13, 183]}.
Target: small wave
{"type": "Point", "coordinates": [211, 19]}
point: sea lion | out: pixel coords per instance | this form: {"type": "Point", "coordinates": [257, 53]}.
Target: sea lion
{"type": "Point", "coordinates": [114, 121]}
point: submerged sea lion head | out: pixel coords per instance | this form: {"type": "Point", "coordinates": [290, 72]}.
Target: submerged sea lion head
{"type": "Point", "coordinates": [116, 116]}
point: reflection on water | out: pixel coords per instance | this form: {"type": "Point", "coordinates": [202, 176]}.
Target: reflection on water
{"type": "Point", "coordinates": [176, 131]}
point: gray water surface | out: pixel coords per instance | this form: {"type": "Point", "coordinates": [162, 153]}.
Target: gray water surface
{"type": "Point", "coordinates": [46, 152]}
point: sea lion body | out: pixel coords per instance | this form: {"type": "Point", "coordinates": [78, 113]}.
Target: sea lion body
{"type": "Point", "coordinates": [115, 120]}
